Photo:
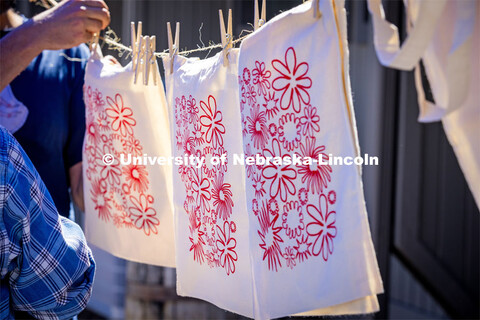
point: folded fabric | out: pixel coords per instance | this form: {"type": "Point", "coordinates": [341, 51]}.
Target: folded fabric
{"type": "Point", "coordinates": [128, 199]}
{"type": "Point", "coordinates": [444, 35]}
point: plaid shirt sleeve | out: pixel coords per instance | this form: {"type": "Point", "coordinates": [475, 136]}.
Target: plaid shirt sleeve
{"type": "Point", "coordinates": [47, 269]}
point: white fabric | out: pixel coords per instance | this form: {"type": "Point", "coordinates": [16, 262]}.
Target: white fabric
{"type": "Point", "coordinates": [13, 112]}
{"type": "Point", "coordinates": [212, 241]}
{"type": "Point", "coordinates": [310, 240]}
{"type": "Point", "coordinates": [444, 34]}
{"type": "Point", "coordinates": [282, 281]}
{"type": "Point", "coordinates": [128, 207]}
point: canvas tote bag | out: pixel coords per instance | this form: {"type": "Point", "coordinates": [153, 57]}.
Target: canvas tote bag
{"type": "Point", "coordinates": [309, 235]}
{"type": "Point", "coordinates": [211, 221]}
{"type": "Point", "coordinates": [444, 35]}
{"type": "Point", "coordinates": [128, 207]}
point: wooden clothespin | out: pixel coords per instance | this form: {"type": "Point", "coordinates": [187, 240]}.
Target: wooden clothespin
{"type": "Point", "coordinates": [94, 42]}
{"type": "Point", "coordinates": [173, 47]}
{"type": "Point", "coordinates": [150, 60]}
{"type": "Point", "coordinates": [227, 37]}
{"type": "Point", "coordinates": [141, 56]}
{"type": "Point", "coordinates": [317, 14]}
{"type": "Point", "coordinates": [135, 38]}
{"type": "Point", "coordinates": [260, 21]}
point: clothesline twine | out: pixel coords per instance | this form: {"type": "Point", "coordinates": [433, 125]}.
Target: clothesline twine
{"type": "Point", "coordinates": [115, 44]}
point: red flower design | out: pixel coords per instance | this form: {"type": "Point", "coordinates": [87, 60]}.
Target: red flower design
{"type": "Point", "coordinates": [281, 176]}
{"type": "Point", "coordinates": [258, 185]}
{"type": "Point", "coordinates": [222, 197]}
{"type": "Point", "coordinates": [260, 77]}
{"type": "Point", "coordinates": [250, 95]}
{"type": "Point", "coordinates": [102, 122]}
{"type": "Point", "coordinates": [303, 196]}
{"type": "Point", "coordinates": [289, 257]}
{"type": "Point", "coordinates": [322, 228]}
{"type": "Point", "coordinates": [197, 242]}
{"type": "Point", "coordinates": [197, 135]}
{"type": "Point", "coordinates": [310, 121]}
{"type": "Point", "coordinates": [123, 220]}
{"type": "Point", "coordinates": [111, 173]}
{"type": "Point", "coordinates": [315, 175]}
{"type": "Point", "coordinates": [143, 214]}
{"type": "Point", "coordinates": [293, 81]}
{"type": "Point", "coordinates": [200, 187]}
{"type": "Point", "coordinates": [122, 117]}
{"type": "Point", "coordinates": [132, 146]}
{"type": "Point", "coordinates": [98, 100]}
{"type": "Point", "coordinates": [246, 76]}
{"type": "Point", "coordinates": [292, 219]}
{"type": "Point", "coordinates": [269, 235]}
{"type": "Point", "coordinates": [212, 120]}
{"type": "Point", "coordinates": [192, 110]}
{"type": "Point", "coordinates": [226, 247]}
{"type": "Point", "coordinates": [257, 127]}
{"type": "Point", "coordinates": [100, 199]}
{"type": "Point", "coordinates": [136, 177]}
{"type": "Point", "coordinates": [303, 249]}
{"type": "Point", "coordinates": [270, 105]}
{"type": "Point", "coordinates": [289, 130]}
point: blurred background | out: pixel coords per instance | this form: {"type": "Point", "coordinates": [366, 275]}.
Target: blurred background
{"type": "Point", "coordinates": [423, 219]}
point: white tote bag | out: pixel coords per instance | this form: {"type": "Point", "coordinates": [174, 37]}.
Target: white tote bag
{"type": "Point", "coordinates": [128, 203]}
{"type": "Point", "coordinates": [211, 222]}
{"type": "Point", "coordinates": [444, 34]}
{"type": "Point", "coordinates": [310, 240]}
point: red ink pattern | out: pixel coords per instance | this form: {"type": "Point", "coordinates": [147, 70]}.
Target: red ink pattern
{"type": "Point", "coordinates": [120, 194]}
{"type": "Point", "coordinates": [293, 204]}
{"type": "Point", "coordinates": [209, 200]}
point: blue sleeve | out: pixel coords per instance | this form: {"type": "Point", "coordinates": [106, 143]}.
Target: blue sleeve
{"type": "Point", "coordinates": [44, 257]}
{"type": "Point", "coordinates": [76, 124]}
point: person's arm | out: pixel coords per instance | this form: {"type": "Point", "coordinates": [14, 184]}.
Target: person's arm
{"type": "Point", "coordinates": [76, 185]}
{"type": "Point", "coordinates": [50, 268]}
{"type": "Point", "coordinates": [64, 26]}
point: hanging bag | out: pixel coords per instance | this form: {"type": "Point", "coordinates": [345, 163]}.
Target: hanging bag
{"type": "Point", "coordinates": [310, 241]}
{"type": "Point", "coordinates": [128, 207]}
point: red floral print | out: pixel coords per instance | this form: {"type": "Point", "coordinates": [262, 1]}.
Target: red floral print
{"type": "Point", "coordinates": [101, 199]}
{"type": "Point", "coordinates": [289, 129]}
{"type": "Point", "coordinates": [257, 127]}
{"type": "Point", "coordinates": [281, 176]}
{"type": "Point", "coordinates": [226, 247]}
{"type": "Point", "coordinates": [136, 177]}
{"type": "Point", "coordinates": [293, 219]}
{"type": "Point", "coordinates": [322, 228]}
{"type": "Point", "coordinates": [197, 242]}
{"type": "Point", "coordinates": [271, 105]}
{"type": "Point", "coordinates": [290, 256]}
{"type": "Point", "coordinates": [118, 192]}
{"type": "Point", "coordinates": [212, 121]}
{"type": "Point", "coordinates": [260, 78]}
{"type": "Point", "coordinates": [222, 197]}
{"type": "Point", "coordinates": [270, 240]}
{"type": "Point", "coordinates": [143, 215]}
{"type": "Point", "coordinates": [284, 194]}
{"type": "Point", "coordinates": [200, 187]}
{"type": "Point", "coordinates": [303, 249]}
{"type": "Point", "coordinates": [258, 185]}
{"type": "Point", "coordinates": [315, 175]}
{"type": "Point", "coordinates": [292, 81]}
{"type": "Point", "coordinates": [192, 110]}
{"type": "Point", "coordinates": [122, 117]}
{"type": "Point", "coordinates": [310, 121]}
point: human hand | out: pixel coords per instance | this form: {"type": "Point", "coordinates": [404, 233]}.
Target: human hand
{"type": "Point", "coordinates": [70, 23]}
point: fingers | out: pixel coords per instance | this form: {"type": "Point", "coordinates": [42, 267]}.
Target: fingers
{"type": "Point", "coordinates": [98, 14]}
{"type": "Point", "coordinates": [94, 3]}
{"type": "Point", "coordinates": [93, 26]}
